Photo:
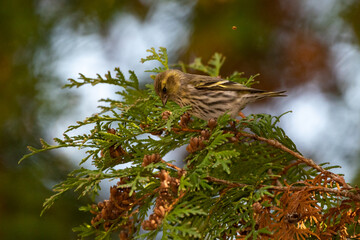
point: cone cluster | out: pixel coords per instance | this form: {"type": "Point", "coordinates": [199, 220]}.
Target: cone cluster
{"type": "Point", "coordinates": [184, 120]}
{"type": "Point", "coordinates": [167, 194]}
{"type": "Point", "coordinates": [119, 204]}
{"type": "Point", "coordinates": [198, 143]}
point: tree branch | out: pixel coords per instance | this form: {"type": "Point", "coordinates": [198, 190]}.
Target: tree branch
{"type": "Point", "coordinates": [307, 161]}
{"type": "Point", "coordinates": [172, 165]}
{"type": "Point", "coordinates": [341, 192]}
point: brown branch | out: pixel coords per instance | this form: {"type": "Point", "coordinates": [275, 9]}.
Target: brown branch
{"type": "Point", "coordinates": [225, 182]}
{"type": "Point", "coordinates": [185, 130]}
{"type": "Point", "coordinates": [181, 195]}
{"type": "Point", "coordinates": [172, 165]}
{"type": "Point", "coordinates": [284, 171]}
{"type": "Point", "coordinates": [341, 192]}
{"type": "Point", "coordinates": [307, 161]}
{"type": "Point", "coordinates": [277, 144]}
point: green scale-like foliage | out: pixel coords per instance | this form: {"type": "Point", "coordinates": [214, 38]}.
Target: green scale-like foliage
{"type": "Point", "coordinates": [203, 209]}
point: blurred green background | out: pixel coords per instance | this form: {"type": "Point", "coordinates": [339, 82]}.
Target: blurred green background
{"type": "Point", "coordinates": [309, 48]}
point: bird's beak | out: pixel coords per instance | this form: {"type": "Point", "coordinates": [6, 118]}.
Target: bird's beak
{"type": "Point", "coordinates": [164, 100]}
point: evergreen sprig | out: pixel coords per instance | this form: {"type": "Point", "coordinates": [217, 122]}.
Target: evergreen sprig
{"type": "Point", "coordinates": [160, 56]}
{"type": "Point", "coordinates": [242, 178]}
{"type": "Point", "coordinates": [213, 66]}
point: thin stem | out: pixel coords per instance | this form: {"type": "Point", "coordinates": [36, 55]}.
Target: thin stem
{"type": "Point", "coordinates": [172, 165]}
{"type": "Point", "coordinates": [307, 161]}
{"type": "Point", "coordinates": [341, 192]}
{"type": "Point", "coordinates": [185, 130]}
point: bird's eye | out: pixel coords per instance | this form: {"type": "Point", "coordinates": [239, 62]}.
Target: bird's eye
{"type": "Point", "coordinates": [164, 90]}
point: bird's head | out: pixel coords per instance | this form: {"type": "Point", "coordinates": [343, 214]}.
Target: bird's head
{"type": "Point", "coordinates": [167, 84]}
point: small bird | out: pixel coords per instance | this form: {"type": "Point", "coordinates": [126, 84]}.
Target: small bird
{"type": "Point", "coordinates": [209, 97]}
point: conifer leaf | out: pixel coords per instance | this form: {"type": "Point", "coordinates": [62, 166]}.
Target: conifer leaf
{"type": "Point", "coordinates": [226, 154]}
{"type": "Point", "coordinates": [184, 209]}
{"type": "Point", "coordinates": [160, 56]}
{"type": "Point", "coordinates": [134, 80]}
{"type": "Point", "coordinates": [85, 230]}
{"type": "Point", "coordinates": [223, 159]}
{"type": "Point", "coordinates": [225, 163]}
{"type": "Point", "coordinates": [218, 138]}
{"type": "Point", "coordinates": [44, 144]}
{"type": "Point", "coordinates": [213, 67]}
{"type": "Point", "coordinates": [175, 115]}
{"type": "Point", "coordinates": [32, 149]}
{"type": "Point", "coordinates": [217, 60]}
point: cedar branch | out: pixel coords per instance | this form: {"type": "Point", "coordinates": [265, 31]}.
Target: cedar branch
{"type": "Point", "coordinates": [341, 192]}
{"type": "Point", "coordinates": [307, 161]}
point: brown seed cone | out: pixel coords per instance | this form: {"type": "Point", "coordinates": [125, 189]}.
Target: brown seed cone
{"type": "Point", "coordinates": [145, 225]}
{"type": "Point", "coordinates": [257, 207]}
{"type": "Point", "coordinates": [119, 204]}
{"type": "Point", "coordinates": [165, 115]}
{"type": "Point", "coordinates": [164, 175]}
{"type": "Point", "coordinates": [157, 133]}
{"type": "Point", "coordinates": [153, 224]}
{"type": "Point", "coordinates": [180, 173]}
{"type": "Point", "coordinates": [149, 225]}
{"type": "Point", "coordinates": [153, 158]}
{"type": "Point", "coordinates": [174, 185]}
{"type": "Point", "coordinates": [184, 120]}
{"type": "Point", "coordinates": [123, 235]}
{"type": "Point", "coordinates": [143, 126]}
{"type": "Point", "coordinates": [114, 152]}
{"type": "Point", "coordinates": [157, 212]}
{"type": "Point", "coordinates": [212, 123]}
{"type": "Point", "coordinates": [122, 181]}
{"type": "Point", "coordinates": [117, 152]}
{"type": "Point", "coordinates": [205, 134]}
{"type": "Point", "coordinates": [196, 143]}
{"type": "Point", "coordinates": [233, 139]}
{"type": "Point", "coordinates": [190, 149]}
{"type": "Point", "coordinates": [164, 185]}
{"type": "Point", "coordinates": [111, 130]}
{"type": "Point", "coordinates": [162, 211]}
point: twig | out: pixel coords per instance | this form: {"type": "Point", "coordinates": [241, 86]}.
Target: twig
{"type": "Point", "coordinates": [343, 192]}
{"type": "Point", "coordinates": [284, 171]}
{"type": "Point", "coordinates": [276, 179]}
{"type": "Point", "coordinates": [225, 182]}
{"type": "Point", "coordinates": [181, 195]}
{"type": "Point", "coordinates": [171, 165]}
{"type": "Point", "coordinates": [185, 130]}
{"type": "Point", "coordinates": [307, 161]}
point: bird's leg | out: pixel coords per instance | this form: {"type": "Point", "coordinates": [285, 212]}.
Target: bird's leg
{"type": "Point", "coordinates": [241, 114]}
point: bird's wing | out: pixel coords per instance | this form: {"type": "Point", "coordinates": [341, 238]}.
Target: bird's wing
{"type": "Point", "coordinates": [221, 84]}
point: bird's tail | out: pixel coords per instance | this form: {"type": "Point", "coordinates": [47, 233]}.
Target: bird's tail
{"type": "Point", "coordinates": [274, 94]}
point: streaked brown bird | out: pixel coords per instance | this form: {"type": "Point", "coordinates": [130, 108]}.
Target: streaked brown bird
{"type": "Point", "coordinates": [209, 97]}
